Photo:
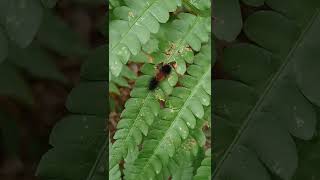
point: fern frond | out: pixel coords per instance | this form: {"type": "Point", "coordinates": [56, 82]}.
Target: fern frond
{"type": "Point", "coordinates": [201, 4]}
{"type": "Point", "coordinates": [91, 69]}
{"type": "Point", "coordinates": [114, 172]}
{"type": "Point", "coordinates": [184, 157]}
{"type": "Point", "coordinates": [185, 153]}
{"type": "Point", "coordinates": [115, 3]}
{"type": "Point", "coordinates": [191, 149]}
{"type": "Point", "coordinates": [140, 112]}
{"type": "Point", "coordinates": [121, 81]}
{"type": "Point", "coordinates": [182, 106]}
{"type": "Point", "coordinates": [81, 154]}
{"type": "Point", "coordinates": [137, 20]}
{"type": "Point", "coordinates": [176, 41]}
{"type": "Point", "coordinates": [75, 155]}
{"type": "Point", "coordinates": [183, 168]}
{"type": "Point", "coordinates": [227, 19]}
{"type": "Point", "coordinates": [204, 171]}
{"type": "Point", "coordinates": [180, 37]}
{"type": "Point", "coordinates": [283, 109]}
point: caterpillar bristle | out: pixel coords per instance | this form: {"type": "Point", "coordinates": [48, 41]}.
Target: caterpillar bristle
{"type": "Point", "coordinates": [153, 84]}
{"type": "Point", "coordinates": [166, 69]}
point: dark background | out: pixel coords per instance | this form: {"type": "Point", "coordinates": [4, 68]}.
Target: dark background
{"type": "Point", "coordinates": [25, 137]}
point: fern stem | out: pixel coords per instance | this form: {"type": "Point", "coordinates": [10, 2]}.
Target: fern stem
{"type": "Point", "coordinates": [259, 104]}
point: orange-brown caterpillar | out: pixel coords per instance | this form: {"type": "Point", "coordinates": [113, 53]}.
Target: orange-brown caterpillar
{"type": "Point", "coordinates": [164, 71]}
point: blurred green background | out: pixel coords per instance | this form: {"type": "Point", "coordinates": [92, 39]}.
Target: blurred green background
{"type": "Point", "coordinates": [42, 46]}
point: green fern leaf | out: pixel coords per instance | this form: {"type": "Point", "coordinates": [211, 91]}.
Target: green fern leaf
{"type": "Point", "coordinates": [95, 105]}
{"type": "Point", "coordinates": [227, 19]}
{"type": "Point", "coordinates": [283, 109]}
{"type": "Point", "coordinates": [140, 112]}
{"type": "Point", "coordinates": [82, 154]}
{"type": "Point", "coordinates": [199, 7]}
{"type": "Point", "coordinates": [114, 4]}
{"type": "Point", "coordinates": [91, 69]}
{"type": "Point", "coordinates": [184, 170]}
{"type": "Point", "coordinates": [181, 37]}
{"type": "Point", "coordinates": [114, 172]}
{"type": "Point", "coordinates": [29, 15]}
{"type": "Point", "coordinates": [59, 37]}
{"type": "Point", "coordinates": [201, 4]}
{"type": "Point", "coordinates": [121, 81]}
{"type": "Point", "coordinates": [183, 106]}
{"type": "Point", "coordinates": [35, 60]}
{"type": "Point", "coordinates": [296, 10]}
{"type": "Point", "coordinates": [204, 171]}
{"type": "Point", "coordinates": [74, 155]}
{"type": "Point", "coordinates": [186, 153]}
{"type": "Point", "coordinates": [137, 20]}
{"type": "Point", "coordinates": [177, 40]}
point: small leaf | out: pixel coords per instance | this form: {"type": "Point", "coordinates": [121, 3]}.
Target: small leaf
{"type": "Point", "coordinates": [22, 20]}
{"type": "Point", "coordinates": [87, 98]}
{"type": "Point", "coordinates": [227, 19]}
{"type": "Point", "coordinates": [91, 68]}
{"type": "Point", "coordinates": [56, 35]}
{"type": "Point", "coordinates": [196, 107]}
{"type": "Point", "coordinates": [37, 61]}
{"type": "Point", "coordinates": [189, 118]}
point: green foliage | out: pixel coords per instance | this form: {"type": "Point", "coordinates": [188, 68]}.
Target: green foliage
{"type": "Point", "coordinates": [21, 20]}
{"type": "Point", "coordinates": [139, 114]}
{"type": "Point", "coordinates": [81, 154]}
{"type": "Point", "coordinates": [204, 171]}
{"type": "Point", "coordinates": [227, 19]}
{"type": "Point", "coordinates": [29, 36]}
{"type": "Point", "coordinates": [57, 36]}
{"type": "Point", "coordinates": [27, 32]}
{"type": "Point", "coordinates": [114, 173]}
{"type": "Point", "coordinates": [160, 134]}
{"type": "Point", "coordinates": [180, 38]}
{"type": "Point", "coordinates": [133, 26]}
{"type": "Point", "coordinates": [35, 60]}
{"type": "Point", "coordinates": [186, 159]}
{"type": "Point", "coordinates": [13, 84]}
{"type": "Point", "coordinates": [175, 120]}
{"type": "Point", "coordinates": [77, 155]}
{"type": "Point", "coordinates": [258, 127]}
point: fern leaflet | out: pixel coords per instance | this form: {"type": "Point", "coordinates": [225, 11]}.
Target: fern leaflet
{"type": "Point", "coordinates": [137, 20]}
{"type": "Point", "coordinates": [183, 105]}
